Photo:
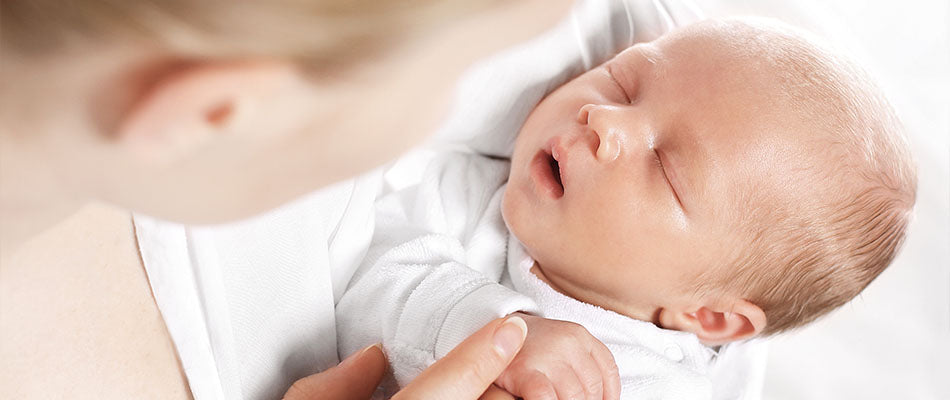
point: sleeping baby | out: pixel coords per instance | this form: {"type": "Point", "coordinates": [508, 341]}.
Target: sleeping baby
{"type": "Point", "coordinates": [728, 181]}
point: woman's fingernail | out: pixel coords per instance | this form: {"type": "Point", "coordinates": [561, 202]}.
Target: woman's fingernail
{"type": "Point", "coordinates": [358, 354]}
{"type": "Point", "coordinates": [509, 336]}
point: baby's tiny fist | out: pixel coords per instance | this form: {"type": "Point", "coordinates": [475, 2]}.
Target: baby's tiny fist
{"type": "Point", "coordinates": [561, 360]}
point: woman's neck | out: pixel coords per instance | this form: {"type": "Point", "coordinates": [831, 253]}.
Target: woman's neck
{"type": "Point", "coordinates": [31, 199]}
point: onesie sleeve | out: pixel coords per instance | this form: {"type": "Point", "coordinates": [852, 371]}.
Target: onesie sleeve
{"type": "Point", "coordinates": [431, 275]}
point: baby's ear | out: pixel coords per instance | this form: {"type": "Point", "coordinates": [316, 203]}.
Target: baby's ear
{"type": "Point", "coordinates": [193, 105]}
{"type": "Point", "coordinates": [717, 324]}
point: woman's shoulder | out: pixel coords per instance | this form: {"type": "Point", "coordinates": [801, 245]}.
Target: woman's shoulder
{"type": "Point", "coordinates": [84, 324]}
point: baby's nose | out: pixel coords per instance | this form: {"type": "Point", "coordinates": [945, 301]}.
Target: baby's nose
{"type": "Point", "coordinates": [596, 119]}
{"type": "Point", "coordinates": [583, 116]}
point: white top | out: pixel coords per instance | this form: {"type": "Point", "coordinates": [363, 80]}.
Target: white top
{"type": "Point", "coordinates": [249, 305]}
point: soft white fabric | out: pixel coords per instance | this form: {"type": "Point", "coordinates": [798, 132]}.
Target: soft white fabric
{"type": "Point", "coordinates": [442, 264]}
{"type": "Point", "coordinates": [249, 305]}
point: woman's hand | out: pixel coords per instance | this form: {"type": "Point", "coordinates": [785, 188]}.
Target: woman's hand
{"type": "Point", "coordinates": [467, 372]}
{"type": "Point", "coordinates": [355, 378]}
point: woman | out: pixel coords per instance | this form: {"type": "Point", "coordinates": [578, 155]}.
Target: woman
{"type": "Point", "coordinates": [203, 112]}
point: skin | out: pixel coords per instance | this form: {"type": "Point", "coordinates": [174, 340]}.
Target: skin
{"type": "Point", "coordinates": [86, 136]}
{"type": "Point", "coordinates": [656, 153]}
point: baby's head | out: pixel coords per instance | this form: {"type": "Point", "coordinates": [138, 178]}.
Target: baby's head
{"type": "Point", "coordinates": [729, 179]}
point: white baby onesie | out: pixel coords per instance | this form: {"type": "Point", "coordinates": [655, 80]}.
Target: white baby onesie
{"type": "Point", "coordinates": [442, 264]}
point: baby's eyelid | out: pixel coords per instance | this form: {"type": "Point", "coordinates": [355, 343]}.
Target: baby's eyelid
{"type": "Point", "coordinates": [659, 163]}
{"type": "Point", "coordinates": [610, 72]}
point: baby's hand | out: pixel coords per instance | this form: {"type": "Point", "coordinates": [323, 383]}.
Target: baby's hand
{"type": "Point", "coordinates": [561, 360]}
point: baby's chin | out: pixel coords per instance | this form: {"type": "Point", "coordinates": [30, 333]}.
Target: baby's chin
{"type": "Point", "coordinates": [509, 211]}
{"type": "Point", "coordinates": [528, 249]}
{"type": "Point", "coordinates": [513, 230]}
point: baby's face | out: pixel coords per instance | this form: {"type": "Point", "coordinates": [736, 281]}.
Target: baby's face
{"type": "Point", "coordinates": [631, 178]}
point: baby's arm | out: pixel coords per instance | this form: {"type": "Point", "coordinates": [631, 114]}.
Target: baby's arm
{"type": "Point", "coordinates": [419, 311]}
{"type": "Point", "coordinates": [430, 277]}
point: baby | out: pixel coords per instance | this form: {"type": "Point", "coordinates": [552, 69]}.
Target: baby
{"type": "Point", "coordinates": [729, 180]}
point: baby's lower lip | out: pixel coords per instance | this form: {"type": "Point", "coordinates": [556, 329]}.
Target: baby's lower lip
{"type": "Point", "coordinates": [543, 175]}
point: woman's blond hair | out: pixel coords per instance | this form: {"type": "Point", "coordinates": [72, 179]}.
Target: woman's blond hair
{"type": "Point", "coordinates": [316, 33]}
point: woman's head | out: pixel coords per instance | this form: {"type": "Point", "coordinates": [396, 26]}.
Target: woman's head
{"type": "Point", "coordinates": [213, 110]}
{"type": "Point", "coordinates": [315, 33]}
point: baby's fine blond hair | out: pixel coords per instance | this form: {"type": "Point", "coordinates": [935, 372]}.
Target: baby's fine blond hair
{"type": "Point", "coordinates": [843, 215]}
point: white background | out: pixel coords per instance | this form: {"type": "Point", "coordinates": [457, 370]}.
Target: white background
{"type": "Point", "coordinates": [893, 342]}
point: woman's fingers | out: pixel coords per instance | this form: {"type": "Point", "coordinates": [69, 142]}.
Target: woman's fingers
{"type": "Point", "coordinates": [356, 378]}
{"type": "Point", "coordinates": [469, 369]}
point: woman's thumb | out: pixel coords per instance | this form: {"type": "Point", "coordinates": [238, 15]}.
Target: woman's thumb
{"type": "Point", "coordinates": [355, 378]}
{"type": "Point", "coordinates": [471, 367]}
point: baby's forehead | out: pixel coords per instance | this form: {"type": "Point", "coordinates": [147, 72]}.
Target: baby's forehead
{"type": "Point", "coordinates": [737, 36]}
{"type": "Point", "coordinates": [748, 48]}
{"type": "Point", "coordinates": [769, 73]}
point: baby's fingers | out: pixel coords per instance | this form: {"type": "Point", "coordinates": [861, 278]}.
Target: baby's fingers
{"type": "Point", "coordinates": [567, 383]}
{"type": "Point", "coordinates": [608, 371]}
{"type": "Point", "coordinates": [496, 393]}
{"type": "Point", "coordinates": [534, 385]}
{"type": "Point", "coordinates": [590, 378]}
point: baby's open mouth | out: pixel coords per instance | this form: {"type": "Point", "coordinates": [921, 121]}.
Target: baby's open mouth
{"type": "Point", "coordinates": [556, 170]}
{"type": "Point", "coordinates": [546, 172]}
